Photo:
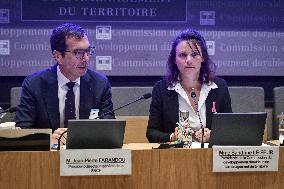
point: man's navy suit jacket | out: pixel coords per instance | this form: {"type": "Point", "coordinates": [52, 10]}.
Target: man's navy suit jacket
{"type": "Point", "coordinates": [39, 104]}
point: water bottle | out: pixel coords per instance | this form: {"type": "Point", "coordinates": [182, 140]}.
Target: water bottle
{"type": "Point", "coordinates": [184, 130]}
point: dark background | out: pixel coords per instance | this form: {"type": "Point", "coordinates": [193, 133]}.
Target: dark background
{"type": "Point", "coordinates": [256, 18]}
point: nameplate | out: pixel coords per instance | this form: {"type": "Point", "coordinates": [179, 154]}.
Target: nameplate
{"type": "Point", "coordinates": [245, 158]}
{"type": "Point", "coordinates": [95, 162]}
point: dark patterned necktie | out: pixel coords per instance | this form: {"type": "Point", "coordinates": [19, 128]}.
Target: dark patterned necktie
{"type": "Point", "coordinates": [70, 111]}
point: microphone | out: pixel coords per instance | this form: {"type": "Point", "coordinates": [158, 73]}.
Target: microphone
{"type": "Point", "coordinates": [145, 96]}
{"type": "Point", "coordinates": [193, 96]}
{"type": "Point", "coordinates": [10, 110]}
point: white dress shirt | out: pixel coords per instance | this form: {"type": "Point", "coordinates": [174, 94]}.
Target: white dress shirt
{"type": "Point", "coordinates": [184, 104]}
{"type": "Point", "coordinates": [62, 91]}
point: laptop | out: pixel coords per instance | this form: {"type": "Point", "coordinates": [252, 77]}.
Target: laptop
{"type": "Point", "coordinates": [237, 129]}
{"type": "Point", "coordinates": [95, 133]}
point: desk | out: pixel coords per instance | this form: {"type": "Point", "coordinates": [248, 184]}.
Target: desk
{"type": "Point", "coordinates": [135, 130]}
{"type": "Point", "coordinates": [157, 169]}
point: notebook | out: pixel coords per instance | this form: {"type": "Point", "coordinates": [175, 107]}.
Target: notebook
{"type": "Point", "coordinates": [95, 133]}
{"type": "Point", "coordinates": [237, 129]}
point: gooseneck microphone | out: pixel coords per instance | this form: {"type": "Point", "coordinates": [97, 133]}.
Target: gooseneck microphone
{"type": "Point", "coordinates": [145, 96]}
{"type": "Point", "coordinates": [193, 96]}
{"type": "Point", "coordinates": [10, 110]}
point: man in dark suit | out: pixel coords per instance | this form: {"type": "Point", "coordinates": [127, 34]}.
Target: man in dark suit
{"type": "Point", "coordinates": [67, 90]}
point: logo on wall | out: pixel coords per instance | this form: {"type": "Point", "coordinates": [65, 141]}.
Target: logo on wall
{"type": "Point", "coordinates": [207, 18]}
{"type": "Point", "coordinates": [103, 32]}
{"type": "Point", "coordinates": [103, 63]}
{"type": "Point", "coordinates": [4, 16]}
{"type": "Point", "coordinates": [4, 47]}
{"type": "Point", "coordinates": [210, 47]}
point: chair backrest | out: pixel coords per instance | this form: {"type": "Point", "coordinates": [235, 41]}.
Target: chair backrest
{"type": "Point", "coordinates": [247, 99]}
{"type": "Point", "coordinates": [278, 93]}
{"type": "Point", "coordinates": [244, 99]}
{"type": "Point", "coordinates": [15, 95]}
{"type": "Point", "coordinates": [120, 96]}
{"type": "Point", "coordinates": [123, 95]}
{"type": "Point", "coordinates": [251, 99]}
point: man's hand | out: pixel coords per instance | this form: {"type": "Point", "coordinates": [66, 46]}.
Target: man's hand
{"type": "Point", "coordinates": [56, 134]}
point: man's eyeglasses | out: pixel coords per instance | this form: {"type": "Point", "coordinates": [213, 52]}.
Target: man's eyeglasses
{"type": "Point", "coordinates": [79, 53]}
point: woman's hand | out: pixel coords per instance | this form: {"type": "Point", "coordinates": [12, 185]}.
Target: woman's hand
{"type": "Point", "coordinates": [206, 137]}
{"type": "Point", "coordinates": [174, 136]}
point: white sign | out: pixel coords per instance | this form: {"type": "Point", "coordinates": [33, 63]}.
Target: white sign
{"type": "Point", "coordinates": [210, 47]}
{"type": "Point", "coordinates": [103, 32]}
{"type": "Point", "coordinates": [94, 114]}
{"type": "Point", "coordinates": [207, 18]}
{"type": "Point", "coordinates": [103, 63]}
{"type": "Point", "coordinates": [4, 47]}
{"type": "Point", "coordinates": [245, 158]}
{"type": "Point", "coordinates": [4, 16]}
{"type": "Point", "coordinates": [95, 162]}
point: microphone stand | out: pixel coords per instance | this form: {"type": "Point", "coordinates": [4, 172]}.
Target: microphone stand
{"type": "Point", "coordinates": [59, 139]}
{"type": "Point", "coordinates": [145, 96]}
{"type": "Point", "coordinates": [193, 95]}
{"type": "Point", "coordinates": [9, 110]}
{"type": "Point", "coordinates": [2, 113]}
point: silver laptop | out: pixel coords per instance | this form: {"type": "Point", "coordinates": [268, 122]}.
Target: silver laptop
{"type": "Point", "coordinates": [237, 129]}
{"type": "Point", "coordinates": [95, 134]}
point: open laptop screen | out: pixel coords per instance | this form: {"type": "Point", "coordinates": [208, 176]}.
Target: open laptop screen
{"type": "Point", "coordinates": [95, 134]}
{"type": "Point", "coordinates": [237, 129]}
